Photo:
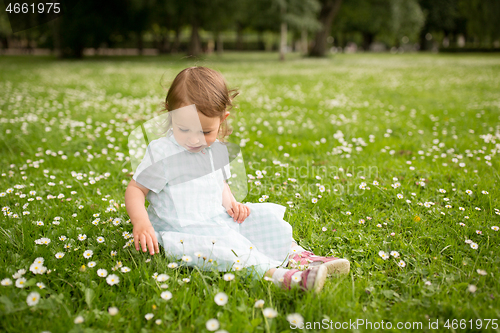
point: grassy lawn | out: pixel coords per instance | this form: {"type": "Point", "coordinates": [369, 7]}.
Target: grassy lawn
{"type": "Point", "coordinates": [369, 153]}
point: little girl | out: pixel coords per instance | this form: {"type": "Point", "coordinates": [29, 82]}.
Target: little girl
{"type": "Point", "coordinates": [192, 211]}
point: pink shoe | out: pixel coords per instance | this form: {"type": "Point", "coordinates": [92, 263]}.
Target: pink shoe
{"type": "Point", "coordinates": [311, 279]}
{"type": "Point", "coordinates": [306, 259]}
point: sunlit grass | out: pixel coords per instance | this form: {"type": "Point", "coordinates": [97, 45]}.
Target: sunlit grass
{"type": "Point", "coordinates": [351, 132]}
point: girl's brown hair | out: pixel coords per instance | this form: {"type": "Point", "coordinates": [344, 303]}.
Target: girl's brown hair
{"type": "Point", "coordinates": [207, 89]}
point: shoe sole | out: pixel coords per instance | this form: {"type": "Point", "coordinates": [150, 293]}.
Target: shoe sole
{"type": "Point", "coordinates": [339, 266]}
{"type": "Point", "coordinates": [320, 278]}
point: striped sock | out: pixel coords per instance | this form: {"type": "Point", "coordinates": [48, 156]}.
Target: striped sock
{"type": "Point", "coordinates": [279, 275]}
{"type": "Point", "coordinates": [296, 250]}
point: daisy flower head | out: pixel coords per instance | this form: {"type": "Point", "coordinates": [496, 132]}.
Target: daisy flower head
{"type": "Point", "coordinates": [314, 200]}
{"type": "Point", "coordinates": [269, 313]}
{"type": "Point", "coordinates": [33, 298]}
{"type": "Point", "coordinates": [88, 253]}
{"type": "Point", "coordinates": [469, 192]}
{"type": "Point", "coordinates": [102, 272]}
{"type": "Point", "coordinates": [162, 278]}
{"type": "Point", "coordinates": [113, 310]}
{"type": "Point", "coordinates": [395, 254]}
{"type": "Point", "coordinates": [474, 245]}
{"type": "Point", "coordinates": [91, 263]}
{"type": "Point", "coordinates": [259, 303]}
{"type": "Point", "coordinates": [212, 324]}
{"type": "Point", "coordinates": [112, 279]}
{"type": "Point", "coordinates": [149, 316]}
{"type": "Point", "coordinates": [6, 282]}
{"type": "Point", "coordinates": [383, 255]}
{"type": "Point", "coordinates": [166, 295]}
{"type": "Point", "coordinates": [495, 228]}
{"type": "Point", "coordinates": [228, 277]}
{"type": "Point", "coordinates": [401, 263]}
{"type": "Point", "coordinates": [481, 272]}
{"type": "Point", "coordinates": [295, 319]}
{"type": "Point", "coordinates": [172, 265]}
{"type": "Point", "coordinates": [221, 299]}
{"type": "Point", "coordinates": [187, 258]}
{"type": "Point", "coordinates": [79, 320]}
{"type": "Point", "coordinates": [186, 280]}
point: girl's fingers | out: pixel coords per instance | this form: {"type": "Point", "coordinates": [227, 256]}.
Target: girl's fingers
{"type": "Point", "coordinates": [136, 242]}
{"type": "Point", "coordinates": [236, 209]}
{"type": "Point", "coordinates": [150, 244]}
{"type": "Point", "coordinates": [143, 242]}
{"type": "Point", "coordinates": [155, 242]}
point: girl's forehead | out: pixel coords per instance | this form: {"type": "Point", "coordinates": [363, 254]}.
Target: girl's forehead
{"type": "Point", "coordinates": [193, 119]}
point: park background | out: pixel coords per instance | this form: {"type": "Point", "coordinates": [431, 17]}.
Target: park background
{"type": "Point", "coordinates": [378, 132]}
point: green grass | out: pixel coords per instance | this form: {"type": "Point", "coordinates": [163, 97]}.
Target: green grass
{"type": "Point", "coordinates": [435, 111]}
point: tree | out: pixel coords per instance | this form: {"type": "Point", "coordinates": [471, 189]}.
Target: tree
{"type": "Point", "coordinates": [221, 15]}
{"type": "Point", "coordinates": [328, 12]}
{"type": "Point", "coordinates": [483, 17]}
{"type": "Point", "coordinates": [88, 24]}
{"type": "Point", "coordinates": [368, 17]}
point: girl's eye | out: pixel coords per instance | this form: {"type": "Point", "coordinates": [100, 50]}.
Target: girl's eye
{"type": "Point", "coordinates": [185, 130]}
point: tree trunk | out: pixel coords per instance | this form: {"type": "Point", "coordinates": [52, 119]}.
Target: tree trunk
{"type": "Point", "coordinates": [260, 41]}
{"type": "Point", "coordinates": [194, 44]}
{"type": "Point", "coordinates": [329, 10]}
{"type": "Point", "coordinates": [140, 42]}
{"type": "Point", "coordinates": [305, 47]}
{"type": "Point", "coordinates": [56, 33]}
{"type": "Point", "coordinates": [219, 42]}
{"type": "Point", "coordinates": [177, 40]}
{"type": "Point", "coordinates": [239, 37]}
{"type": "Point", "coordinates": [283, 41]}
{"type": "Point", "coordinates": [367, 40]}
{"type": "Point", "coordinates": [165, 43]}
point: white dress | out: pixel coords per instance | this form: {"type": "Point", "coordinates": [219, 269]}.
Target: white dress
{"type": "Point", "coordinates": [185, 209]}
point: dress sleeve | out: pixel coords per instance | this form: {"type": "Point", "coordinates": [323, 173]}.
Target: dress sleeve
{"type": "Point", "coordinates": [227, 172]}
{"type": "Point", "coordinates": [151, 172]}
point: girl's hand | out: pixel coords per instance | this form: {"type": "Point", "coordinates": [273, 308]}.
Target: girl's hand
{"type": "Point", "coordinates": [239, 212]}
{"type": "Point", "coordinates": [145, 234]}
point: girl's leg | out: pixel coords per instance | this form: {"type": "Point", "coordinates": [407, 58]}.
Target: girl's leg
{"type": "Point", "coordinates": [270, 272]}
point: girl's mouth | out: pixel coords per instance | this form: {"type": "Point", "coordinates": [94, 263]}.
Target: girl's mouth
{"type": "Point", "coordinates": [194, 148]}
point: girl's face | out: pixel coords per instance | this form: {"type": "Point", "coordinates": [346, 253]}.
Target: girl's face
{"type": "Point", "coordinates": [193, 130]}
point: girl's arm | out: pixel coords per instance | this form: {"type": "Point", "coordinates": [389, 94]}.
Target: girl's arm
{"type": "Point", "coordinates": [227, 196]}
{"type": "Point", "coordinates": [144, 232]}
{"type": "Point", "coordinates": [135, 197]}
{"type": "Point", "coordinates": [236, 210]}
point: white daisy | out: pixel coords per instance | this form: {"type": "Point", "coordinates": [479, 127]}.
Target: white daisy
{"type": "Point", "coordinates": [33, 298]}
{"type": "Point", "coordinates": [221, 299]}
